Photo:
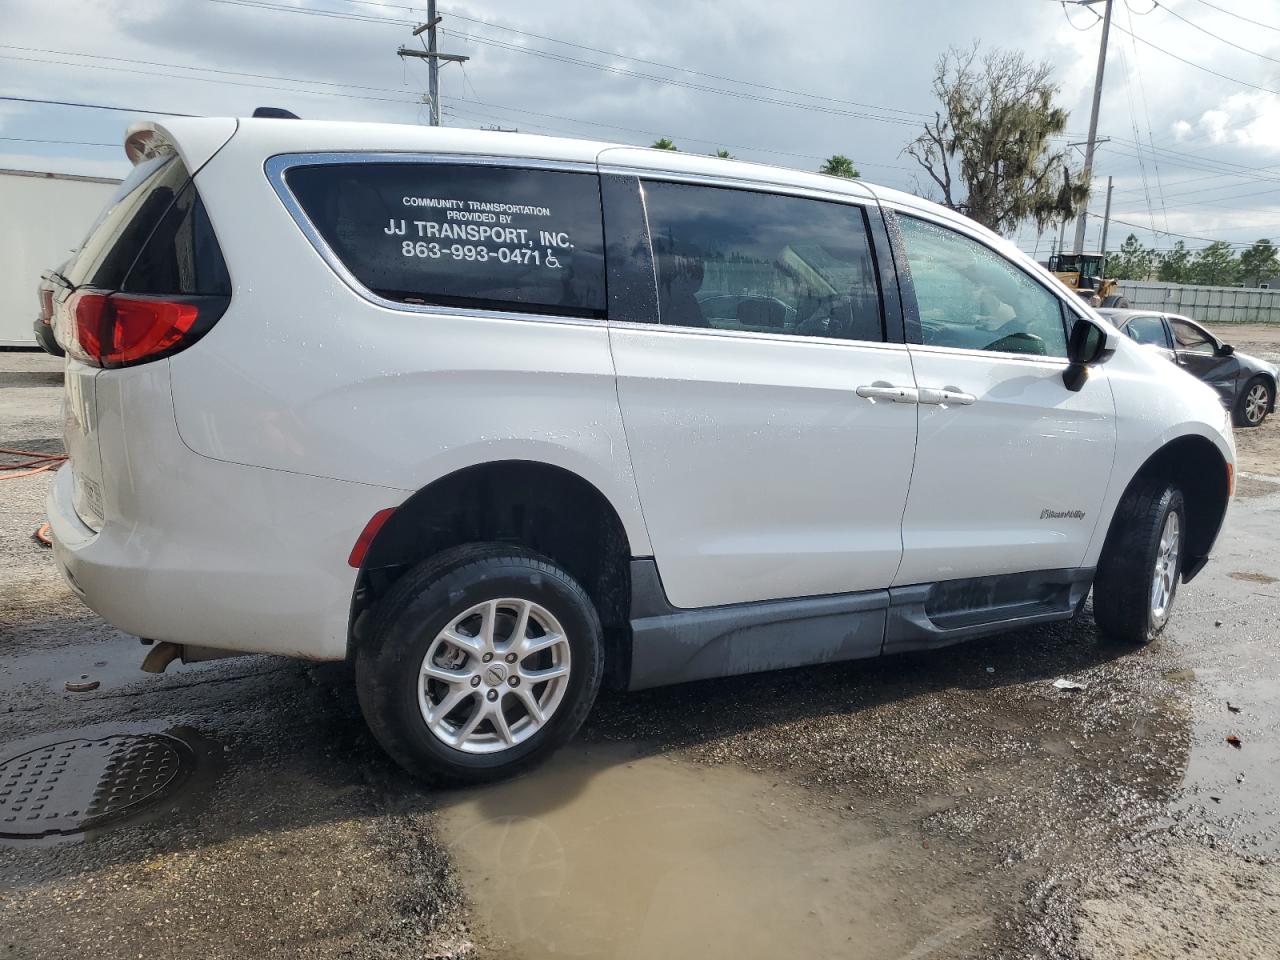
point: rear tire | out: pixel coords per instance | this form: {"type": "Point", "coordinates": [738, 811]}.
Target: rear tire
{"type": "Point", "coordinates": [479, 663]}
{"type": "Point", "coordinates": [1115, 302]}
{"type": "Point", "coordinates": [1254, 402]}
{"type": "Point", "coordinates": [1141, 564]}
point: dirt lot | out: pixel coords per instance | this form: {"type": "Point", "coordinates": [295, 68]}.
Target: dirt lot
{"type": "Point", "coordinates": [951, 805]}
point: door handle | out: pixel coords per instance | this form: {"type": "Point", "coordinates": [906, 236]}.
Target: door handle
{"type": "Point", "coordinates": [887, 391]}
{"type": "Point", "coordinates": [945, 397]}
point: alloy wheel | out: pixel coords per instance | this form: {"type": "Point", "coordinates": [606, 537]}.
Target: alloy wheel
{"type": "Point", "coordinates": [1256, 402]}
{"type": "Point", "coordinates": [1164, 577]}
{"type": "Point", "coordinates": [494, 676]}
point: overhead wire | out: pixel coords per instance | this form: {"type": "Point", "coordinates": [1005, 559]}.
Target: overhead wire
{"type": "Point", "coordinates": [1209, 33]}
{"type": "Point", "coordinates": [1142, 90]}
{"type": "Point", "coordinates": [1256, 23]}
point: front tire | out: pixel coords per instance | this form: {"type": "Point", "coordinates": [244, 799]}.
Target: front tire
{"type": "Point", "coordinates": [1254, 403]}
{"type": "Point", "coordinates": [479, 663]}
{"type": "Point", "coordinates": [1141, 564]}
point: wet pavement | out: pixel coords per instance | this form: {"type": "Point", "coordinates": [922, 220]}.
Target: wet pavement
{"type": "Point", "coordinates": [946, 805]}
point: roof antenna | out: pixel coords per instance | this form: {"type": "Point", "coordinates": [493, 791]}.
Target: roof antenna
{"type": "Point", "coordinates": [275, 113]}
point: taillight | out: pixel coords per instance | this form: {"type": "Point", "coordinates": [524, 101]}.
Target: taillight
{"type": "Point", "coordinates": [116, 330]}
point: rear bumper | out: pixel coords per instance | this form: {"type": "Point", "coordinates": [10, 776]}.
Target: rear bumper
{"type": "Point", "coordinates": [203, 552]}
{"type": "Point", "coordinates": [262, 588]}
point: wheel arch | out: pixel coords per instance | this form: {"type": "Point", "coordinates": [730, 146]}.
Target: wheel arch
{"type": "Point", "coordinates": [546, 508]}
{"type": "Point", "coordinates": [1198, 468]}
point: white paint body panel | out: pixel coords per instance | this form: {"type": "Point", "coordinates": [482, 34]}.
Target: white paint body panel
{"type": "Point", "coordinates": [985, 472]}
{"type": "Point", "coordinates": [236, 475]}
{"type": "Point", "coordinates": [202, 552]}
{"type": "Point", "coordinates": [44, 220]}
{"type": "Point", "coordinates": [763, 475]}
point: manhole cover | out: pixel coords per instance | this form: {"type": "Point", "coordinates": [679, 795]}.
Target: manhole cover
{"type": "Point", "coordinates": [73, 785]}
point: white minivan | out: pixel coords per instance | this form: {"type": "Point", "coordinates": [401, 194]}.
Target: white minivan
{"type": "Point", "coordinates": [501, 418]}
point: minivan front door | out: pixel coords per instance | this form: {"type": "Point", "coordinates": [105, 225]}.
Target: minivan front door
{"type": "Point", "coordinates": [771, 426]}
{"type": "Point", "coordinates": [1011, 466]}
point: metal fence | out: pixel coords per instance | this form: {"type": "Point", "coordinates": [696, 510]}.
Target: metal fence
{"type": "Point", "coordinates": [1206, 304]}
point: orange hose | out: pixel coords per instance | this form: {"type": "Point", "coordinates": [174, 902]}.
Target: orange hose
{"type": "Point", "coordinates": [36, 462]}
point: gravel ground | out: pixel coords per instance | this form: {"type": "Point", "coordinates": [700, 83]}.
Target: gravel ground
{"type": "Point", "coordinates": [986, 813]}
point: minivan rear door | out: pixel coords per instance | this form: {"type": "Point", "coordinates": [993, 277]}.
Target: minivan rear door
{"type": "Point", "coordinates": [101, 263]}
{"type": "Point", "coordinates": [770, 418]}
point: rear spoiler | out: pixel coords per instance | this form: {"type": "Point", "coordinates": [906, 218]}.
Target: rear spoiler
{"type": "Point", "coordinates": [194, 139]}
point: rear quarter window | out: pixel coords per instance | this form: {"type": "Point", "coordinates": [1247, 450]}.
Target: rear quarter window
{"type": "Point", "coordinates": [122, 229]}
{"type": "Point", "coordinates": [462, 235]}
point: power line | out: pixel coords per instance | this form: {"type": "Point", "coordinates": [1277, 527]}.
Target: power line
{"type": "Point", "coordinates": [1208, 33]}
{"type": "Point", "coordinates": [688, 70]}
{"type": "Point", "coordinates": [1133, 117]}
{"type": "Point", "coordinates": [1256, 23]}
{"type": "Point", "coordinates": [1192, 63]}
{"type": "Point", "coordinates": [1203, 163]}
{"type": "Point", "coordinates": [1142, 90]}
{"type": "Point", "coordinates": [719, 142]}
{"type": "Point", "coordinates": [709, 141]}
{"type": "Point", "coordinates": [97, 106]}
{"type": "Point", "coordinates": [183, 66]}
{"type": "Point", "coordinates": [312, 12]}
{"type": "Point", "coordinates": [77, 143]}
{"type": "Point", "coordinates": [1170, 233]}
{"type": "Point", "coordinates": [906, 119]}
{"type": "Point", "coordinates": [600, 50]}
{"type": "Point", "coordinates": [703, 88]}
{"type": "Point", "coordinates": [175, 76]}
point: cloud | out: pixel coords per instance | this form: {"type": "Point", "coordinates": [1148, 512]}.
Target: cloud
{"type": "Point", "coordinates": [830, 76]}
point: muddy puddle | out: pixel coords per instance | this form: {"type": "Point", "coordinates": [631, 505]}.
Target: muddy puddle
{"type": "Point", "coordinates": [606, 853]}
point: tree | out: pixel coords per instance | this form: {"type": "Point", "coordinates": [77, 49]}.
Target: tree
{"type": "Point", "coordinates": [988, 148]}
{"type": "Point", "coordinates": [1132, 262]}
{"type": "Point", "coordinates": [1216, 265]}
{"type": "Point", "coordinates": [1259, 262]}
{"type": "Point", "coordinates": [722, 153]}
{"type": "Point", "coordinates": [840, 166]}
{"type": "Point", "coordinates": [1175, 264]}
{"type": "Point", "coordinates": [664, 143]}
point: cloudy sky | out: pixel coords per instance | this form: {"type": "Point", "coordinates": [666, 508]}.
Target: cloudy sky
{"type": "Point", "coordinates": [1191, 101]}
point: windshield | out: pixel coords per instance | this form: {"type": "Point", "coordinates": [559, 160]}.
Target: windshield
{"type": "Point", "coordinates": [1087, 265]}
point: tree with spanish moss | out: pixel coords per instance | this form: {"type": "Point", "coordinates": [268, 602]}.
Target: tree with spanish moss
{"type": "Point", "coordinates": [988, 150]}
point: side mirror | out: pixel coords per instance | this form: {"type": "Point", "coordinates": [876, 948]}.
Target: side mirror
{"type": "Point", "coordinates": [1225, 349]}
{"type": "Point", "coordinates": [1087, 345]}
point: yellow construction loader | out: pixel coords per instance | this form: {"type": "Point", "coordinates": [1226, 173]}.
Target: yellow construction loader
{"type": "Point", "coordinates": [1085, 273]}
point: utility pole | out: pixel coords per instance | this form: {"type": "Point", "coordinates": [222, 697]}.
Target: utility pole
{"type": "Point", "coordinates": [433, 57]}
{"type": "Point", "coordinates": [1106, 222]}
{"type": "Point", "coordinates": [1093, 115]}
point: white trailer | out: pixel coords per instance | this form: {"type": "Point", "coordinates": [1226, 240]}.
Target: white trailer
{"type": "Point", "coordinates": [43, 219]}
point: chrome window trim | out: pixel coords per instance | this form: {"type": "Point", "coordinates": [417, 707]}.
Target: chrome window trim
{"type": "Point", "coordinates": [792, 338]}
{"type": "Point", "coordinates": [990, 354]}
{"type": "Point", "coordinates": [277, 166]}
{"type": "Point", "coordinates": [740, 183]}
